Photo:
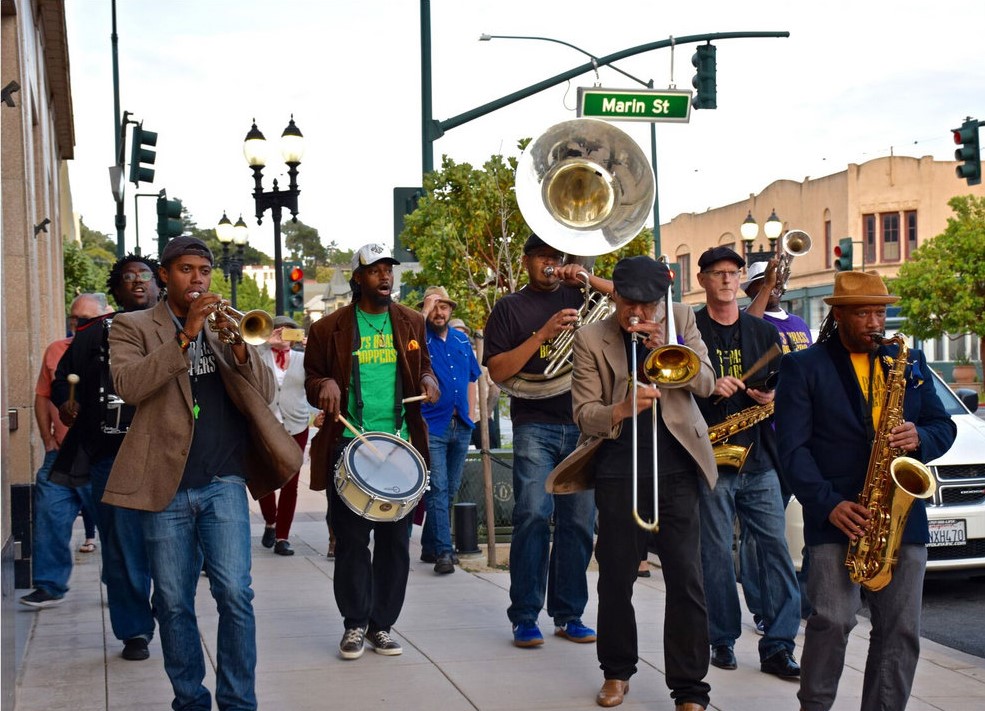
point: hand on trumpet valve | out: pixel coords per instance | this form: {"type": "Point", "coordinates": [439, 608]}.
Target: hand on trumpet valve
{"type": "Point", "coordinates": [199, 309]}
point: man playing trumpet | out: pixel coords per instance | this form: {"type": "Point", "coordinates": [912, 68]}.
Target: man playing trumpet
{"type": "Point", "coordinates": [603, 407]}
{"type": "Point", "coordinates": [201, 434]}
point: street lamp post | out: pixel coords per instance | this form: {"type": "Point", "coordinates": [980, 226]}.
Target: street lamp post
{"type": "Point", "coordinates": [292, 148]}
{"type": "Point", "coordinates": [749, 230]}
{"type": "Point", "coordinates": [232, 264]}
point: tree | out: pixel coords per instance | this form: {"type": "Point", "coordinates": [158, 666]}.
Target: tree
{"type": "Point", "coordinates": [98, 246]}
{"type": "Point", "coordinates": [943, 284]}
{"type": "Point", "coordinates": [304, 245]}
{"type": "Point", "coordinates": [467, 233]}
{"type": "Point", "coordinates": [82, 274]}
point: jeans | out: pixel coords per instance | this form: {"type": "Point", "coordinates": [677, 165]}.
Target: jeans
{"type": "Point", "coordinates": [213, 520]}
{"type": "Point", "coordinates": [447, 462]}
{"type": "Point", "coordinates": [894, 643]}
{"type": "Point", "coordinates": [55, 509]}
{"type": "Point", "coordinates": [126, 570]}
{"type": "Point", "coordinates": [535, 565]}
{"type": "Point", "coordinates": [755, 498]}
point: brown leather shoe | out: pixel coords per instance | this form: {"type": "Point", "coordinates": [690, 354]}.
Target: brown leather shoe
{"type": "Point", "coordinates": [689, 706]}
{"type": "Point", "coordinates": [612, 692]}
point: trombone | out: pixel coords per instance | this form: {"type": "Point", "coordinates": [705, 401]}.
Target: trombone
{"type": "Point", "coordinates": [670, 366]}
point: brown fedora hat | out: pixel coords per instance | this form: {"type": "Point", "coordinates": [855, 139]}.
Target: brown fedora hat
{"type": "Point", "coordinates": [858, 289]}
{"type": "Point", "coordinates": [442, 295]}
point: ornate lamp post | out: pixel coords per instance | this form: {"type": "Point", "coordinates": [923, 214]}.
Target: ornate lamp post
{"type": "Point", "coordinates": [232, 264]}
{"type": "Point", "coordinates": [749, 230]}
{"type": "Point", "coordinates": [292, 148]}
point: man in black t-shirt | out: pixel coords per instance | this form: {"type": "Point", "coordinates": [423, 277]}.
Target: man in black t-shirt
{"type": "Point", "coordinates": [518, 337]}
{"type": "Point", "coordinates": [735, 342]}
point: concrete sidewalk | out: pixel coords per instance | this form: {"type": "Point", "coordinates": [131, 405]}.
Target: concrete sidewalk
{"type": "Point", "coordinates": [458, 652]}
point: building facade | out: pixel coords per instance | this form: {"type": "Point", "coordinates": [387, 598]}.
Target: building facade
{"type": "Point", "coordinates": [888, 206]}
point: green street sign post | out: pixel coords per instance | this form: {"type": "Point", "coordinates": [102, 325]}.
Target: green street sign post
{"type": "Point", "coordinates": [669, 105]}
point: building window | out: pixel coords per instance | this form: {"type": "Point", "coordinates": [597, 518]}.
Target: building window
{"type": "Point", "coordinates": [828, 247]}
{"type": "Point", "coordinates": [685, 261]}
{"type": "Point", "coordinates": [890, 236]}
{"type": "Point", "coordinates": [910, 220]}
{"type": "Point", "coordinates": [869, 238]}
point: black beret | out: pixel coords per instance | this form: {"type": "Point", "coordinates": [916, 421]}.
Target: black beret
{"type": "Point", "coordinates": [641, 278]}
{"type": "Point", "coordinates": [717, 254]}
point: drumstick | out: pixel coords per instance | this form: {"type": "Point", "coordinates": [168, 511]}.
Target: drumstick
{"type": "Point", "coordinates": [760, 362]}
{"type": "Point", "coordinates": [72, 379]}
{"type": "Point", "coordinates": [414, 398]}
{"type": "Point", "coordinates": [359, 436]}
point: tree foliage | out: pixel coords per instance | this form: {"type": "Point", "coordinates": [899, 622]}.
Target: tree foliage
{"type": "Point", "coordinates": [304, 245]}
{"type": "Point", "coordinates": [943, 284]}
{"type": "Point", "coordinates": [467, 233]}
{"type": "Point", "coordinates": [82, 274]}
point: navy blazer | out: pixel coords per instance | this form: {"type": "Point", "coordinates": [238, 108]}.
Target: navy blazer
{"type": "Point", "coordinates": [824, 442]}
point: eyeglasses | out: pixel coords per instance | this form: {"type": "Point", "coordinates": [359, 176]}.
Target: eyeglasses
{"type": "Point", "coordinates": [723, 273]}
{"type": "Point", "coordinates": [143, 277]}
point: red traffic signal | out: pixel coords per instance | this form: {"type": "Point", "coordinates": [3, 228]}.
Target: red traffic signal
{"type": "Point", "coordinates": [296, 274]}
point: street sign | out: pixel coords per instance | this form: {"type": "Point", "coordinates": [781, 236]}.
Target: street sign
{"type": "Point", "coordinates": [669, 105]}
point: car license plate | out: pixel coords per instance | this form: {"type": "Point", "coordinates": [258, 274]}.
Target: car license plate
{"type": "Point", "coordinates": [948, 532]}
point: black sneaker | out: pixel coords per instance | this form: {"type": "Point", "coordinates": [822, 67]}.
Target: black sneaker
{"type": "Point", "coordinates": [283, 548]}
{"type": "Point", "coordinates": [351, 646]}
{"type": "Point", "coordinates": [383, 643]}
{"type": "Point", "coordinates": [444, 565]}
{"type": "Point", "coordinates": [269, 537]}
{"type": "Point", "coordinates": [135, 649]}
{"type": "Point", "coordinates": [781, 664]}
{"type": "Point", "coordinates": [428, 557]}
{"type": "Point", "coordinates": [41, 598]}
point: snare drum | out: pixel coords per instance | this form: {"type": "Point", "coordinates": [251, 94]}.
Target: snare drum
{"type": "Point", "coordinates": [382, 478]}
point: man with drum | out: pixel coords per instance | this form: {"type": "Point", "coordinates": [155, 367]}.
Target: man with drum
{"type": "Point", "coordinates": [519, 334]}
{"type": "Point", "coordinates": [360, 363]}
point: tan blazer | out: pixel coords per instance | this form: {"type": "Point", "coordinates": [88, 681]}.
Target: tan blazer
{"type": "Point", "coordinates": [151, 371]}
{"type": "Point", "coordinates": [600, 378]}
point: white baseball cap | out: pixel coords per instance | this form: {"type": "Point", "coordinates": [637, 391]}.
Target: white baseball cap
{"type": "Point", "coordinates": [371, 254]}
{"type": "Point", "coordinates": [756, 270]}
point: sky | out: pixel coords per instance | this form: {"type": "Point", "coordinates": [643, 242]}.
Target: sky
{"type": "Point", "coordinates": [854, 81]}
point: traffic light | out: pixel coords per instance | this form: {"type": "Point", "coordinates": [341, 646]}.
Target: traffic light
{"type": "Point", "coordinates": [843, 255]}
{"type": "Point", "coordinates": [675, 276]}
{"type": "Point", "coordinates": [142, 157]}
{"type": "Point", "coordinates": [404, 203]}
{"type": "Point", "coordinates": [704, 81]}
{"type": "Point", "coordinates": [293, 287]}
{"type": "Point", "coordinates": [969, 152]}
{"type": "Point", "coordinates": [168, 220]}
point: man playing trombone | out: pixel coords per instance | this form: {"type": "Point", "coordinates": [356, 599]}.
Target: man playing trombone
{"type": "Point", "coordinates": [603, 407]}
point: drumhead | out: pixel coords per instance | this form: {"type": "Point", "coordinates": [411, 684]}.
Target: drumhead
{"type": "Point", "coordinates": [397, 472]}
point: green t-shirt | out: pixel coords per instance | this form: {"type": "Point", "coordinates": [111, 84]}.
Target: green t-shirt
{"type": "Point", "coordinates": [377, 359]}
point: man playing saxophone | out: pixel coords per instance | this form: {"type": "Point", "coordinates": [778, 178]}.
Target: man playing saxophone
{"type": "Point", "coordinates": [831, 403]}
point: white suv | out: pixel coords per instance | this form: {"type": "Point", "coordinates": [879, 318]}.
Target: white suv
{"type": "Point", "coordinates": [957, 510]}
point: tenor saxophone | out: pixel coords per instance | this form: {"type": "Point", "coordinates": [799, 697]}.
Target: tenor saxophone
{"type": "Point", "coordinates": [734, 455]}
{"type": "Point", "coordinates": [892, 482]}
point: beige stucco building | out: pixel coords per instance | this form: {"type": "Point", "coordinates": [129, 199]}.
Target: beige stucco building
{"type": "Point", "coordinates": [888, 206]}
{"type": "Point", "coordinates": [37, 138]}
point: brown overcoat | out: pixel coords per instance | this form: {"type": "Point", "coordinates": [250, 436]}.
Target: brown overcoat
{"type": "Point", "coordinates": [150, 371]}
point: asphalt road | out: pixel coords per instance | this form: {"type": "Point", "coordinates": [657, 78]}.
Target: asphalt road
{"type": "Point", "coordinates": [952, 612]}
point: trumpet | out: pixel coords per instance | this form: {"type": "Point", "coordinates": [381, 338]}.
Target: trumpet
{"type": "Point", "coordinates": [795, 243]}
{"type": "Point", "coordinates": [253, 327]}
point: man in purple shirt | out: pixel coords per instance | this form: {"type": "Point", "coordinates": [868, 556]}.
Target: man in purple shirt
{"type": "Point", "coordinates": [450, 423]}
{"type": "Point", "coordinates": [760, 286]}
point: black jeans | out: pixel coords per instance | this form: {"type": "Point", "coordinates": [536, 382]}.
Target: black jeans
{"type": "Point", "coordinates": [619, 548]}
{"type": "Point", "coordinates": [369, 587]}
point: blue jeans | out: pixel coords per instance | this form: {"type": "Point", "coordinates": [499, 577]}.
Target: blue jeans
{"type": "Point", "coordinates": [894, 643]}
{"type": "Point", "coordinates": [535, 565]}
{"type": "Point", "coordinates": [126, 570]}
{"type": "Point", "coordinates": [55, 509]}
{"type": "Point", "coordinates": [213, 520]}
{"type": "Point", "coordinates": [755, 498]}
{"type": "Point", "coordinates": [447, 461]}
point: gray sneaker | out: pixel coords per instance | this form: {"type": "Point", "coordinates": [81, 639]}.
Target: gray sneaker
{"type": "Point", "coordinates": [41, 598]}
{"type": "Point", "coordinates": [351, 646]}
{"type": "Point", "coordinates": [383, 643]}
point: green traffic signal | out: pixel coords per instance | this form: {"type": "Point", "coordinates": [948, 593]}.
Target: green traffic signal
{"type": "Point", "coordinates": [141, 157]}
{"type": "Point", "coordinates": [169, 223]}
{"type": "Point", "coordinates": [969, 152]}
{"type": "Point", "coordinates": [843, 255]}
{"type": "Point", "coordinates": [705, 80]}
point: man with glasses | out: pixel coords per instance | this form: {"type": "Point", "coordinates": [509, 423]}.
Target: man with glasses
{"type": "Point", "coordinates": [735, 342]}
{"type": "Point", "coordinates": [99, 421]}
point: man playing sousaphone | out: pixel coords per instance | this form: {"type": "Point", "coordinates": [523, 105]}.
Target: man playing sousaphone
{"type": "Point", "coordinates": [363, 360]}
{"type": "Point", "coordinates": [519, 335]}
{"type": "Point", "coordinates": [603, 408]}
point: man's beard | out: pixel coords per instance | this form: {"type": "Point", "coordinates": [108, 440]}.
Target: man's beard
{"type": "Point", "coordinates": [439, 330]}
{"type": "Point", "coordinates": [378, 299]}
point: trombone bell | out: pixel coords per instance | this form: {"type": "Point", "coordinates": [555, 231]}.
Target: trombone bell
{"type": "Point", "coordinates": [796, 243]}
{"type": "Point", "coordinates": [671, 366]}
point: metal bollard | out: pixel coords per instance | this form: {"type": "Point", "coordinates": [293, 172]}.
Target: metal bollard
{"type": "Point", "coordinates": [466, 520]}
